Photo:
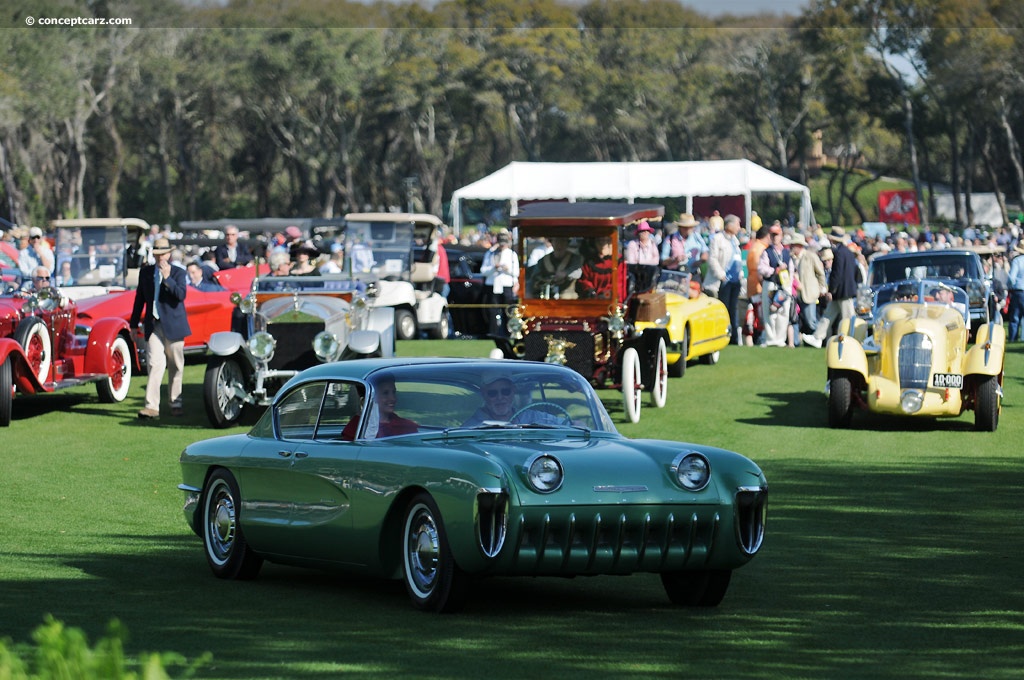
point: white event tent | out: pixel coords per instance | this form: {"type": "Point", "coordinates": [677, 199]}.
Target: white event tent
{"type": "Point", "coordinates": [573, 182]}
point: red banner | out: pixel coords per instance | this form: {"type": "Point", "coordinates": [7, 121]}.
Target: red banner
{"type": "Point", "coordinates": [898, 206]}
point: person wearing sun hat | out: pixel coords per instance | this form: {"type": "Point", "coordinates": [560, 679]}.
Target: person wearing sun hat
{"type": "Point", "coordinates": [842, 287]}
{"type": "Point", "coordinates": [160, 305]}
{"type": "Point", "coordinates": [682, 248]}
{"type": "Point", "coordinates": [643, 249]}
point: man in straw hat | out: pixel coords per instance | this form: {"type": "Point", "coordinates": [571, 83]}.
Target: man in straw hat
{"type": "Point", "coordinates": [1015, 284]}
{"type": "Point", "coordinates": [161, 294]}
{"type": "Point", "coordinates": [682, 248]}
{"type": "Point", "coordinates": [842, 287]}
{"type": "Point", "coordinates": [810, 275]}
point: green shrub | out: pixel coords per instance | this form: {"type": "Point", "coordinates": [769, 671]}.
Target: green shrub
{"type": "Point", "coordinates": [61, 652]}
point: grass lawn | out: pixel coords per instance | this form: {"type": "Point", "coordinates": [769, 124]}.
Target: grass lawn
{"type": "Point", "coordinates": [892, 551]}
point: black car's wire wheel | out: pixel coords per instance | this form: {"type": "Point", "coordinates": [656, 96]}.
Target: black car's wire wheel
{"type": "Point", "coordinates": [222, 384]}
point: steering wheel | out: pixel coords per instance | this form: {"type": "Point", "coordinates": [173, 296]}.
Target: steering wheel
{"type": "Point", "coordinates": [568, 418]}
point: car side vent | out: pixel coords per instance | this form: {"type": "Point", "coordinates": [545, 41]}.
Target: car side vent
{"type": "Point", "coordinates": [491, 521]}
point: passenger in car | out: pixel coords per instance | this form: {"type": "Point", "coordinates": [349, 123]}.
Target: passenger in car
{"type": "Point", "coordinates": [557, 272]}
{"type": "Point", "coordinates": [389, 423]}
{"type": "Point", "coordinates": [596, 275]}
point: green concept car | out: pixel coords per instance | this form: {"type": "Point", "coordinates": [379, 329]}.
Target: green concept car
{"type": "Point", "coordinates": [443, 471]}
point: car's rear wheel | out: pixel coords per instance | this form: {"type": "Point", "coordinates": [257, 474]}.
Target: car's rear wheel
{"type": "Point", "coordinates": [405, 324]}
{"type": "Point", "coordinates": [986, 405]}
{"type": "Point", "coordinates": [632, 388]}
{"type": "Point", "coordinates": [114, 389]}
{"type": "Point", "coordinates": [432, 578]}
{"type": "Point", "coordinates": [34, 338]}
{"type": "Point", "coordinates": [677, 369]}
{"type": "Point", "coordinates": [443, 327]}
{"type": "Point", "coordinates": [6, 393]}
{"type": "Point", "coordinates": [840, 400]}
{"type": "Point", "coordinates": [659, 390]}
{"type": "Point", "coordinates": [227, 551]}
{"type": "Point", "coordinates": [222, 384]}
{"type": "Point", "coordinates": [710, 359]}
{"type": "Point", "coordinates": [696, 588]}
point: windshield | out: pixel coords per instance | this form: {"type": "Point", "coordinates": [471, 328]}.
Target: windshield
{"type": "Point", "coordinates": [934, 265]}
{"type": "Point", "coordinates": [920, 292]}
{"type": "Point", "coordinates": [382, 248]}
{"type": "Point", "coordinates": [474, 396]}
{"type": "Point", "coordinates": [574, 264]}
{"type": "Point", "coordinates": [92, 256]}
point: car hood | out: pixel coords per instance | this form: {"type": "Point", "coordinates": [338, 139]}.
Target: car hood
{"type": "Point", "coordinates": [612, 469]}
{"type": "Point", "coordinates": [117, 304]}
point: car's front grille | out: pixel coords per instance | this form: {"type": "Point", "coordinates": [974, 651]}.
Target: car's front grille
{"type": "Point", "coordinates": [915, 360]}
{"type": "Point", "coordinates": [579, 357]}
{"type": "Point", "coordinates": [294, 349]}
{"type": "Point", "coordinates": [619, 541]}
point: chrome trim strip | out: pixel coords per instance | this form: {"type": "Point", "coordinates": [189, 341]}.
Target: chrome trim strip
{"type": "Point", "coordinates": [188, 488]}
{"type": "Point", "coordinates": [625, 488]}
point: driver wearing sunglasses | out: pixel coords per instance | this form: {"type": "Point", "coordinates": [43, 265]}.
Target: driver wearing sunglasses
{"type": "Point", "coordinates": [499, 396]}
{"type": "Point", "coordinates": [40, 279]}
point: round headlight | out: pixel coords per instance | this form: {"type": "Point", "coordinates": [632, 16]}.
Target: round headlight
{"type": "Point", "coordinates": [247, 304]}
{"type": "Point", "coordinates": [692, 471]}
{"type": "Point", "coordinates": [911, 401]}
{"type": "Point", "coordinates": [544, 473]}
{"type": "Point", "coordinates": [262, 345]}
{"type": "Point", "coordinates": [326, 346]}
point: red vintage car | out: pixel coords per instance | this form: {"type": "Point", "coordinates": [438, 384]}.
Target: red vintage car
{"type": "Point", "coordinates": [208, 312]}
{"type": "Point", "coordinates": [43, 347]}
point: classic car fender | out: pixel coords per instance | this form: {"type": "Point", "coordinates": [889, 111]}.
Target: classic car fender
{"type": "Point", "coordinates": [102, 336]}
{"type": "Point", "coordinates": [855, 327]}
{"type": "Point", "coordinates": [225, 343]}
{"type": "Point", "coordinates": [382, 321]}
{"type": "Point", "coordinates": [846, 354]}
{"type": "Point", "coordinates": [22, 375]}
{"type": "Point", "coordinates": [985, 357]}
{"type": "Point", "coordinates": [364, 343]}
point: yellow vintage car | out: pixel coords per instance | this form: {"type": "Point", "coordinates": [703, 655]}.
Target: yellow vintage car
{"type": "Point", "coordinates": [697, 324]}
{"type": "Point", "coordinates": [912, 357]}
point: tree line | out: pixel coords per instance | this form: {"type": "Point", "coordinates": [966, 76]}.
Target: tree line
{"type": "Point", "coordinates": [312, 108]}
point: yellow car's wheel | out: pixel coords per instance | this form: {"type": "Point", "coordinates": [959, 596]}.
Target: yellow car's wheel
{"type": "Point", "coordinates": [986, 405]}
{"type": "Point", "coordinates": [840, 399]}
{"type": "Point", "coordinates": [677, 369]}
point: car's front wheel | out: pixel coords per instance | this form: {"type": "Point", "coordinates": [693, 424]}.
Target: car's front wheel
{"type": "Point", "coordinates": [114, 389]}
{"type": "Point", "coordinates": [34, 338]}
{"type": "Point", "coordinates": [840, 400]}
{"type": "Point", "coordinates": [227, 551]}
{"type": "Point", "coordinates": [696, 588]}
{"type": "Point", "coordinates": [632, 389]}
{"type": "Point", "coordinates": [222, 384]}
{"type": "Point", "coordinates": [6, 393]}
{"type": "Point", "coordinates": [432, 578]}
{"type": "Point", "coordinates": [986, 405]}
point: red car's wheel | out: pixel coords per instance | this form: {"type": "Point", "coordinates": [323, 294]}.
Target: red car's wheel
{"type": "Point", "coordinates": [6, 393]}
{"type": "Point", "coordinates": [34, 337]}
{"type": "Point", "coordinates": [115, 388]}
